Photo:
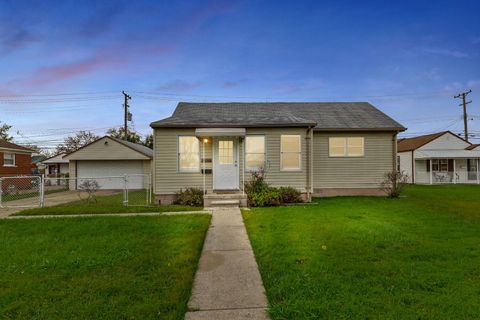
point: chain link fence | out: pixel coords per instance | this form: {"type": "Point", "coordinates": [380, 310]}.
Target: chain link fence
{"type": "Point", "coordinates": [39, 191]}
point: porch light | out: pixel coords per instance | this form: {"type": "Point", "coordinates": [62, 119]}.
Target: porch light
{"type": "Point", "coordinates": [205, 140]}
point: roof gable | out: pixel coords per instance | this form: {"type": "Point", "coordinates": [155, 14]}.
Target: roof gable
{"type": "Point", "coordinates": [108, 148]}
{"type": "Point", "coordinates": [428, 141]}
{"type": "Point", "coordinates": [321, 115]}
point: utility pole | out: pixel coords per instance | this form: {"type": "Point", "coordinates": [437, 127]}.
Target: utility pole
{"type": "Point", "coordinates": [126, 115]}
{"type": "Point", "coordinates": [464, 103]}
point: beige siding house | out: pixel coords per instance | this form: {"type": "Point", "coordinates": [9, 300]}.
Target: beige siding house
{"type": "Point", "coordinates": [111, 157]}
{"type": "Point", "coordinates": [321, 149]}
{"type": "Point", "coordinates": [439, 158]}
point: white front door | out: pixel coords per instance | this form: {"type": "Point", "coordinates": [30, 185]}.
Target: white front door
{"type": "Point", "coordinates": [225, 165]}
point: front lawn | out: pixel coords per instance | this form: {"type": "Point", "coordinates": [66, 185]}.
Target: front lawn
{"type": "Point", "coordinates": [105, 204]}
{"type": "Point", "coordinates": [99, 268]}
{"type": "Point", "coordinates": [417, 257]}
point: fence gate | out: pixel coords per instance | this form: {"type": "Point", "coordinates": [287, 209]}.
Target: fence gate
{"type": "Point", "coordinates": [21, 192]}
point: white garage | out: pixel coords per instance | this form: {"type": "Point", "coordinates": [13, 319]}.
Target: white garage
{"type": "Point", "coordinates": [110, 161]}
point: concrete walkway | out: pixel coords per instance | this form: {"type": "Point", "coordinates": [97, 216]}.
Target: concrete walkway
{"type": "Point", "coordinates": [227, 283]}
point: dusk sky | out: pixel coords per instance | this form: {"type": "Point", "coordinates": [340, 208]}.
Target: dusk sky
{"type": "Point", "coordinates": [65, 63]}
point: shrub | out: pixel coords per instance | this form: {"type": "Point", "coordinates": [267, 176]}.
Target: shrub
{"type": "Point", "coordinates": [260, 194]}
{"type": "Point", "coordinates": [289, 195]}
{"type": "Point", "coordinates": [394, 183]}
{"type": "Point", "coordinates": [189, 197]}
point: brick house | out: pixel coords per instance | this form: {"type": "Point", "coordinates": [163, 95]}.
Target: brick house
{"type": "Point", "coordinates": [15, 160]}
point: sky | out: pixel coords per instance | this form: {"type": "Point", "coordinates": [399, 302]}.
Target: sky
{"type": "Point", "coordinates": [64, 64]}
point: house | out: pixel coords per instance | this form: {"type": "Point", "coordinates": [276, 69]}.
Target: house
{"type": "Point", "coordinates": [56, 166]}
{"type": "Point", "coordinates": [321, 149]}
{"type": "Point", "coordinates": [441, 157]}
{"type": "Point", "coordinates": [113, 158]}
{"type": "Point", "coordinates": [15, 160]}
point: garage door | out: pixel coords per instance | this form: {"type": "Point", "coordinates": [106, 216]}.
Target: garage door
{"type": "Point", "coordinates": [108, 173]}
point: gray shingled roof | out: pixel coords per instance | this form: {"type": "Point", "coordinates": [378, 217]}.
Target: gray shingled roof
{"type": "Point", "coordinates": [135, 146]}
{"type": "Point", "coordinates": [322, 115]}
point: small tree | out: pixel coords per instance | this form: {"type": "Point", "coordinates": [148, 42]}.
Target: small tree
{"type": "Point", "coordinates": [90, 187]}
{"type": "Point", "coordinates": [119, 133]}
{"type": "Point", "coordinates": [4, 132]}
{"type": "Point", "coordinates": [394, 183]}
{"type": "Point", "coordinates": [75, 142]}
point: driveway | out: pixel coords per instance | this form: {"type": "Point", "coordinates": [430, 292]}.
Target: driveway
{"type": "Point", "coordinates": [51, 199]}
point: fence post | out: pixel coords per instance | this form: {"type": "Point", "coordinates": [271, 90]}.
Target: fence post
{"type": "Point", "coordinates": [42, 190]}
{"type": "Point", "coordinates": [125, 191]}
{"type": "Point", "coordinates": [1, 192]}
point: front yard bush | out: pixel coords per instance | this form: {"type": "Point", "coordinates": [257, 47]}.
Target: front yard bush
{"type": "Point", "coordinates": [289, 195]}
{"type": "Point", "coordinates": [260, 194]}
{"type": "Point", "coordinates": [189, 197]}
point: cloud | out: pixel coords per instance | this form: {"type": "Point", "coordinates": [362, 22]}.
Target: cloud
{"type": "Point", "coordinates": [179, 85]}
{"type": "Point", "coordinates": [446, 52]}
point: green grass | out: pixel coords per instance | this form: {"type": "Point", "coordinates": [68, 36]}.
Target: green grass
{"type": "Point", "coordinates": [105, 204]}
{"type": "Point", "coordinates": [26, 195]}
{"type": "Point", "coordinates": [99, 268]}
{"type": "Point", "coordinates": [417, 257]}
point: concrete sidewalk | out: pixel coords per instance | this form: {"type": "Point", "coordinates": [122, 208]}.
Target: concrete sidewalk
{"type": "Point", "coordinates": [227, 283]}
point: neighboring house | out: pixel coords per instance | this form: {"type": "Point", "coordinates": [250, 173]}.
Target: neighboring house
{"type": "Point", "coordinates": [321, 149]}
{"type": "Point", "coordinates": [56, 166]}
{"type": "Point", "coordinates": [110, 157]}
{"type": "Point", "coordinates": [37, 165]}
{"type": "Point", "coordinates": [441, 157]}
{"type": "Point", "coordinates": [15, 160]}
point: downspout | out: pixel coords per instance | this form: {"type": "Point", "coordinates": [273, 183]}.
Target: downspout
{"type": "Point", "coordinates": [394, 141]}
{"type": "Point", "coordinates": [413, 167]}
{"type": "Point", "coordinates": [309, 177]}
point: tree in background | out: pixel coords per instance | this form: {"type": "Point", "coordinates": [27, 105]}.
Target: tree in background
{"type": "Point", "coordinates": [4, 134]}
{"type": "Point", "coordinates": [75, 142]}
{"type": "Point", "coordinates": [148, 142]}
{"type": "Point", "coordinates": [132, 136]}
{"type": "Point", "coordinates": [119, 133]}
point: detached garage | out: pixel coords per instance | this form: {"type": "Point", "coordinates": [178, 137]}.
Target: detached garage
{"type": "Point", "coordinates": [107, 160]}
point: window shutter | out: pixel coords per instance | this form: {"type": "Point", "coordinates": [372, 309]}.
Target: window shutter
{"type": "Point", "coordinates": [428, 165]}
{"type": "Point", "coordinates": [450, 165]}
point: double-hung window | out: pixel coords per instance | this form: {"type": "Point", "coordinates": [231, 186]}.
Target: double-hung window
{"type": "Point", "coordinates": [346, 146]}
{"type": "Point", "coordinates": [9, 159]}
{"type": "Point", "coordinates": [188, 154]}
{"type": "Point", "coordinates": [290, 152]}
{"type": "Point", "coordinates": [254, 152]}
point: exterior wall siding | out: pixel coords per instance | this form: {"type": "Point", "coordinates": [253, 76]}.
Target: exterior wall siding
{"type": "Point", "coordinates": [169, 180]}
{"type": "Point", "coordinates": [367, 171]}
{"type": "Point", "coordinates": [406, 164]}
{"type": "Point", "coordinates": [445, 142]}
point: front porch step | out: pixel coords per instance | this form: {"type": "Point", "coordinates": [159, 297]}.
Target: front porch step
{"type": "Point", "coordinates": [225, 200]}
{"type": "Point", "coordinates": [225, 203]}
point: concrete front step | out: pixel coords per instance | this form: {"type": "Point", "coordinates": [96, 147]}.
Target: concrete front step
{"type": "Point", "coordinates": [225, 203]}
{"type": "Point", "coordinates": [225, 200]}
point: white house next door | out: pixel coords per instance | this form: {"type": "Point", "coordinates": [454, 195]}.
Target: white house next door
{"type": "Point", "coordinates": [225, 166]}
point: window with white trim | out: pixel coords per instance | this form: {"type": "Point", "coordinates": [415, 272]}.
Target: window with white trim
{"type": "Point", "coordinates": [188, 154]}
{"type": "Point", "coordinates": [346, 146]}
{"type": "Point", "coordinates": [290, 152]}
{"type": "Point", "coordinates": [254, 152]}
{"type": "Point", "coordinates": [8, 159]}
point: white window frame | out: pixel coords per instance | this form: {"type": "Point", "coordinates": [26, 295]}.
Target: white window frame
{"type": "Point", "coordinates": [13, 158]}
{"type": "Point", "coordinates": [179, 168]}
{"type": "Point", "coordinates": [299, 152]}
{"type": "Point", "coordinates": [345, 145]}
{"type": "Point", "coordinates": [250, 169]}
